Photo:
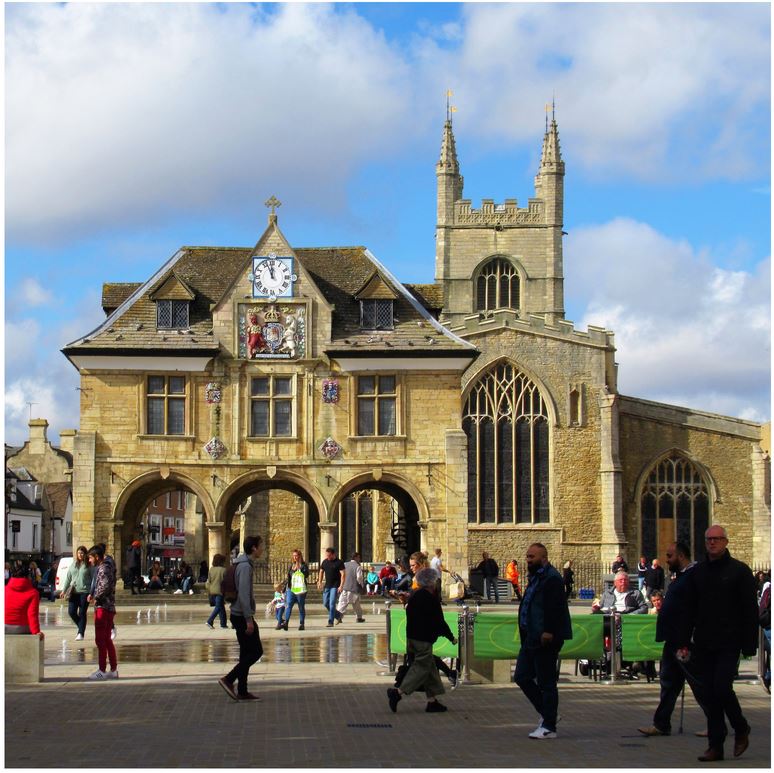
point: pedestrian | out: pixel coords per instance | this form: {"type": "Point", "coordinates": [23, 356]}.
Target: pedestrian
{"type": "Point", "coordinates": [544, 626]}
{"type": "Point", "coordinates": [352, 586]}
{"type": "Point", "coordinates": [104, 597]}
{"type": "Point", "coordinates": [215, 591]}
{"type": "Point", "coordinates": [298, 575]}
{"type": "Point", "coordinates": [512, 575]}
{"type": "Point", "coordinates": [619, 564]}
{"type": "Point", "coordinates": [78, 584]}
{"type": "Point", "coordinates": [278, 604]}
{"type": "Point", "coordinates": [764, 620]}
{"type": "Point", "coordinates": [108, 559]}
{"type": "Point", "coordinates": [436, 563]}
{"type": "Point", "coordinates": [329, 580]}
{"type": "Point", "coordinates": [203, 573]}
{"type": "Point", "coordinates": [424, 624]}
{"type": "Point", "coordinates": [725, 625]}
{"type": "Point", "coordinates": [568, 577]}
{"type": "Point", "coordinates": [243, 621]}
{"type": "Point", "coordinates": [642, 567]}
{"type": "Point", "coordinates": [133, 565]}
{"type": "Point", "coordinates": [654, 579]}
{"type": "Point", "coordinates": [673, 627]}
{"type": "Point", "coordinates": [22, 602]}
{"type": "Point", "coordinates": [488, 567]}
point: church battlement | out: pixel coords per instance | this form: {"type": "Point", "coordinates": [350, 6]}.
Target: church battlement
{"type": "Point", "coordinates": [534, 323]}
{"type": "Point", "coordinates": [507, 213]}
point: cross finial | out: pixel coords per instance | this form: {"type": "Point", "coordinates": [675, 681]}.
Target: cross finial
{"type": "Point", "coordinates": [30, 404]}
{"type": "Point", "coordinates": [273, 203]}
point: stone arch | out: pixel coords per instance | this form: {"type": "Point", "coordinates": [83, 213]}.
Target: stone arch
{"type": "Point", "coordinates": [134, 498]}
{"type": "Point", "coordinates": [661, 456]}
{"type": "Point", "coordinates": [471, 377]}
{"type": "Point", "coordinates": [476, 274]}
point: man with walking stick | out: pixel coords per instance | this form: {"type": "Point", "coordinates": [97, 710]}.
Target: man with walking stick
{"type": "Point", "coordinates": [674, 629]}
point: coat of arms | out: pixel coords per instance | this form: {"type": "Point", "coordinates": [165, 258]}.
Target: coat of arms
{"type": "Point", "coordinates": [212, 393]}
{"type": "Point", "coordinates": [330, 390]}
{"type": "Point", "coordinates": [329, 448]}
{"type": "Point", "coordinates": [271, 332]}
{"type": "Point", "coordinates": [215, 447]}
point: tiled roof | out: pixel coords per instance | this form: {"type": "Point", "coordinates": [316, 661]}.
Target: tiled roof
{"type": "Point", "coordinates": [339, 273]}
{"type": "Point", "coordinates": [57, 494]}
{"type": "Point", "coordinates": [430, 296]}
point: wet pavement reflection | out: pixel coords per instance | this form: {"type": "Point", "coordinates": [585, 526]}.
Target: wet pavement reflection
{"type": "Point", "coordinates": [341, 648]}
{"type": "Point", "coordinates": [54, 615]}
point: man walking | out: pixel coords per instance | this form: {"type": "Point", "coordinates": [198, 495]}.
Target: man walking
{"type": "Point", "coordinates": [488, 567]}
{"type": "Point", "coordinates": [654, 579]}
{"type": "Point", "coordinates": [352, 586]}
{"type": "Point", "coordinates": [243, 620]}
{"type": "Point", "coordinates": [725, 624]}
{"type": "Point", "coordinates": [674, 629]}
{"type": "Point", "coordinates": [330, 579]}
{"type": "Point", "coordinates": [544, 626]}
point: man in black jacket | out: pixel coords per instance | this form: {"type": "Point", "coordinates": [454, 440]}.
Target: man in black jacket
{"type": "Point", "coordinates": [654, 578]}
{"type": "Point", "coordinates": [489, 569]}
{"type": "Point", "coordinates": [673, 628]}
{"type": "Point", "coordinates": [424, 624]}
{"type": "Point", "coordinates": [725, 624]}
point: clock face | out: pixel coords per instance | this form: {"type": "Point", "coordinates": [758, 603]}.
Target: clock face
{"type": "Point", "coordinates": [272, 277]}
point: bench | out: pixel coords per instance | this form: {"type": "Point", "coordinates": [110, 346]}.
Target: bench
{"type": "Point", "coordinates": [23, 658]}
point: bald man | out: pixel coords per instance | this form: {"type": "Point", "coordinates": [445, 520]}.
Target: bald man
{"type": "Point", "coordinates": [544, 626]}
{"type": "Point", "coordinates": [724, 624]}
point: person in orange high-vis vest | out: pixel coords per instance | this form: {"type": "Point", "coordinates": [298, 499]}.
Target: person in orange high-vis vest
{"type": "Point", "coordinates": [512, 575]}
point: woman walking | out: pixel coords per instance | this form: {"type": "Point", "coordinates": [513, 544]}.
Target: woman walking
{"type": "Point", "coordinates": [214, 582]}
{"type": "Point", "coordinates": [104, 597]}
{"type": "Point", "coordinates": [78, 582]}
{"type": "Point", "coordinates": [298, 575]}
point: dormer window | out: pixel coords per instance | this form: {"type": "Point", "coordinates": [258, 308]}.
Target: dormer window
{"type": "Point", "coordinates": [171, 314]}
{"type": "Point", "coordinates": [375, 314]}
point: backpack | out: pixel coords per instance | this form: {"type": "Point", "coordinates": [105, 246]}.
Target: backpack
{"type": "Point", "coordinates": [228, 587]}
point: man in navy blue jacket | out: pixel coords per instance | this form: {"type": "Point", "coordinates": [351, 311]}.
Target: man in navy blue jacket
{"type": "Point", "coordinates": [544, 626]}
{"type": "Point", "coordinates": [673, 627]}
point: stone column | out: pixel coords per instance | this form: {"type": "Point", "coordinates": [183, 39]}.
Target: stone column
{"type": "Point", "coordinates": [84, 473]}
{"type": "Point", "coordinates": [327, 537]}
{"type": "Point", "coordinates": [761, 506]}
{"type": "Point", "coordinates": [116, 548]}
{"type": "Point", "coordinates": [456, 489]}
{"type": "Point", "coordinates": [613, 536]}
{"type": "Point", "coordinates": [216, 539]}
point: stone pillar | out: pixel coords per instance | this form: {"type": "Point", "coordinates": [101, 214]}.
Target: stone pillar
{"type": "Point", "coordinates": [327, 538]}
{"type": "Point", "coordinates": [613, 536]}
{"type": "Point", "coordinates": [194, 532]}
{"type": "Point", "coordinates": [67, 439]}
{"type": "Point", "coordinates": [84, 472]}
{"type": "Point", "coordinates": [456, 489]}
{"type": "Point", "coordinates": [116, 548]}
{"type": "Point", "coordinates": [761, 506]}
{"type": "Point", "coordinates": [216, 539]}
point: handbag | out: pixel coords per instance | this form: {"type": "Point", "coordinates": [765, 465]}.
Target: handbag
{"type": "Point", "coordinates": [68, 593]}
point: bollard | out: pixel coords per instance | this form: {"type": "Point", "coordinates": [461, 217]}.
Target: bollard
{"type": "Point", "coordinates": [390, 662]}
{"type": "Point", "coordinates": [465, 645]}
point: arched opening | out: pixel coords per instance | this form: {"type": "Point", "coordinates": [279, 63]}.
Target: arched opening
{"type": "Point", "coordinates": [498, 286]}
{"type": "Point", "coordinates": [506, 422]}
{"type": "Point", "coordinates": [674, 505]}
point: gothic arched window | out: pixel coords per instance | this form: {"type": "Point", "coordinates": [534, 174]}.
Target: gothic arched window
{"type": "Point", "coordinates": [506, 422]}
{"type": "Point", "coordinates": [674, 506]}
{"type": "Point", "coordinates": [497, 286]}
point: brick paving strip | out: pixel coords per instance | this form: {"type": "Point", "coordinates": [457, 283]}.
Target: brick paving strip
{"type": "Point", "coordinates": [173, 714]}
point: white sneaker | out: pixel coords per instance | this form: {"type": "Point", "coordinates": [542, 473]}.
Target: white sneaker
{"type": "Point", "coordinates": [99, 676]}
{"type": "Point", "coordinates": [114, 633]}
{"type": "Point", "coordinates": [190, 592]}
{"type": "Point", "coordinates": [541, 733]}
{"type": "Point", "coordinates": [178, 592]}
{"type": "Point", "coordinates": [111, 674]}
{"type": "Point", "coordinates": [79, 637]}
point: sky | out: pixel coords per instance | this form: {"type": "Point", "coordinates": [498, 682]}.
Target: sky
{"type": "Point", "coordinates": [134, 129]}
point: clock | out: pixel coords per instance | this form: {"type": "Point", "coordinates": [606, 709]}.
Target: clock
{"type": "Point", "coordinates": [272, 277]}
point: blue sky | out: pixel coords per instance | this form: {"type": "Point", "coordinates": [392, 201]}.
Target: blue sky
{"type": "Point", "coordinates": [133, 129]}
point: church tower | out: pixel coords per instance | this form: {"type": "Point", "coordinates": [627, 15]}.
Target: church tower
{"type": "Point", "coordinates": [500, 260]}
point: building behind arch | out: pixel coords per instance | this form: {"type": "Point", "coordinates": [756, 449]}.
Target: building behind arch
{"type": "Point", "coordinates": [308, 393]}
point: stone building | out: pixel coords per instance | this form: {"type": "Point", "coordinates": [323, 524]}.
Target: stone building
{"type": "Point", "coordinates": [310, 395]}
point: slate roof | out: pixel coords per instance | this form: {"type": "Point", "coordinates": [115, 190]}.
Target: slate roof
{"type": "Point", "coordinates": [57, 495]}
{"type": "Point", "coordinates": [339, 272]}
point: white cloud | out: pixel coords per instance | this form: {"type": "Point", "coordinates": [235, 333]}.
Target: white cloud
{"type": "Point", "coordinates": [687, 332]}
{"type": "Point", "coordinates": [32, 293]}
{"type": "Point", "coordinates": [654, 90]}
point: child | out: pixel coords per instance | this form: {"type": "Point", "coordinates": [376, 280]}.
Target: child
{"type": "Point", "coordinates": [372, 581]}
{"type": "Point", "coordinates": [278, 602]}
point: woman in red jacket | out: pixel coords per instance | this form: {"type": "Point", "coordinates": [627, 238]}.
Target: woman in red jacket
{"type": "Point", "coordinates": [21, 602]}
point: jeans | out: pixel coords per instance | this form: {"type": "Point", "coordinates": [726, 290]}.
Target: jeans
{"type": "Point", "coordinates": [490, 583]}
{"type": "Point", "coordinates": [250, 651]}
{"type": "Point", "coordinates": [536, 675]}
{"type": "Point", "coordinates": [672, 679]}
{"type": "Point", "coordinates": [103, 625]}
{"type": "Point", "coordinates": [187, 583]}
{"type": "Point", "coordinates": [329, 602]}
{"type": "Point", "coordinates": [711, 676]}
{"type": "Point", "coordinates": [76, 608]}
{"type": "Point", "coordinates": [293, 598]}
{"type": "Point", "coordinates": [278, 613]}
{"type": "Point", "coordinates": [218, 610]}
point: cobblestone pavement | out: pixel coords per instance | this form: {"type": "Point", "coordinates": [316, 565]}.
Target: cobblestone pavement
{"type": "Point", "coordinates": [316, 714]}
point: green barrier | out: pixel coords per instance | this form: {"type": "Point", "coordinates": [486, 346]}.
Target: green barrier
{"type": "Point", "coordinates": [496, 637]}
{"type": "Point", "coordinates": [443, 648]}
{"type": "Point", "coordinates": [588, 638]}
{"type": "Point", "coordinates": [638, 638]}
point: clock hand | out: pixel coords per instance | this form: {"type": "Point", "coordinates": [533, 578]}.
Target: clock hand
{"type": "Point", "coordinates": [271, 271]}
